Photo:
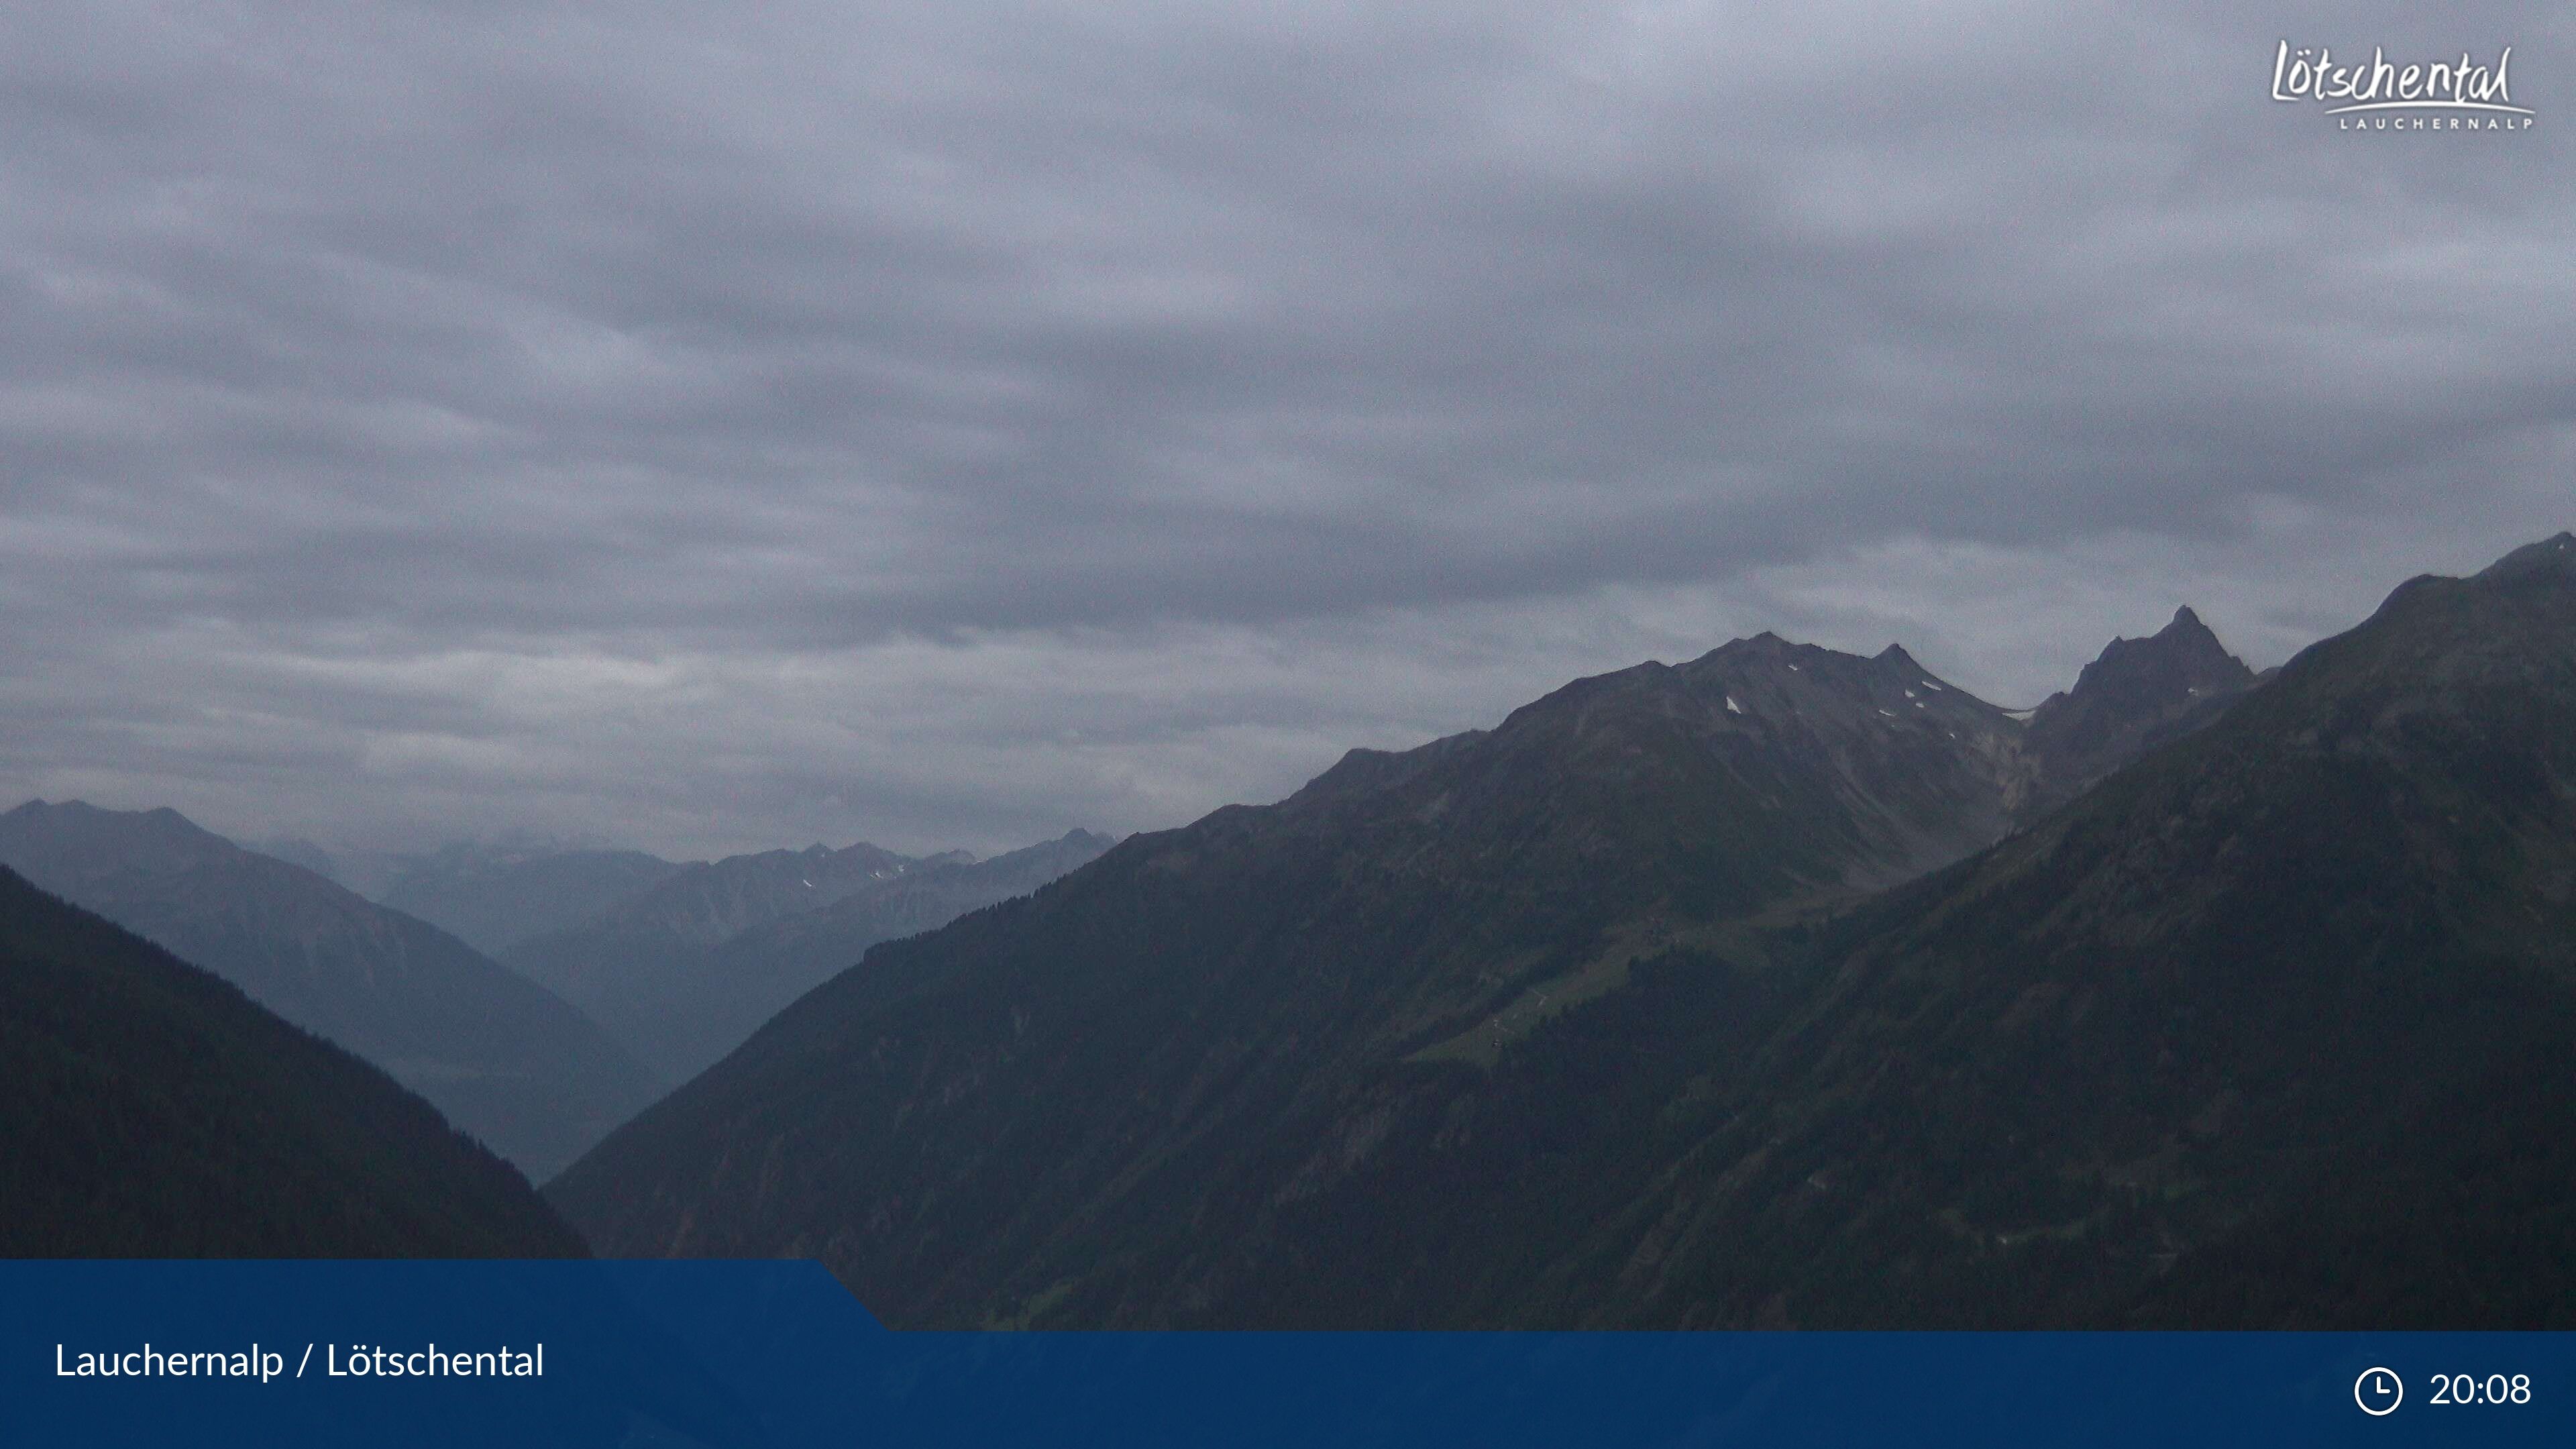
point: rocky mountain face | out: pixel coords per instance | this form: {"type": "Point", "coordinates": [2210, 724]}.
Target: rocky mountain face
{"type": "Point", "coordinates": [505, 1059]}
{"type": "Point", "coordinates": [1529, 1027]}
{"type": "Point", "coordinates": [152, 1110]}
{"type": "Point", "coordinates": [2137, 695]}
{"type": "Point", "coordinates": [682, 972]}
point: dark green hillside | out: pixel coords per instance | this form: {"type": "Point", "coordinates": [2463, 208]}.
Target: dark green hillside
{"type": "Point", "coordinates": [2272, 1029]}
{"type": "Point", "coordinates": [1110, 1101]}
{"type": "Point", "coordinates": [148, 1109]}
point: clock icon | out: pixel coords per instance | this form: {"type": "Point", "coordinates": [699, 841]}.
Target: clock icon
{"type": "Point", "coordinates": [2378, 1392]}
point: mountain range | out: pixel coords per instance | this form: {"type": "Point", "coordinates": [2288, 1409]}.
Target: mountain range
{"type": "Point", "coordinates": [1480, 1033]}
{"type": "Point", "coordinates": [1778, 988]}
{"type": "Point", "coordinates": [678, 962]}
{"type": "Point", "coordinates": [504, 1058]}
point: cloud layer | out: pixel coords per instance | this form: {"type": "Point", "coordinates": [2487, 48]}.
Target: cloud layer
{"type": "Point", "coordinates": [952, 423]}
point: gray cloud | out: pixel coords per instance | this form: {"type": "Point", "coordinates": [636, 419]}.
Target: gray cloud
{"type": "Point", "coordinates": [947, 423]}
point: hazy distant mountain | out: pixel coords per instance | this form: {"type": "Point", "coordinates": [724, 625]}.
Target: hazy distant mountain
{"type": "Point", "coordinates": [296, 850]}
{"type": "Point", "coordinates": [683, 972]}
{"type": "Point", "coordinates": [2137, 695]}
{"type": "Point", "coordinates": [151, 1110]}
{"type": "Point", "coordinates": [504, 1058]}
{"type": "Point", "coordinates": [1522, 1027]}
{"type": "Point", "coordinates": [746, 980]}
{"type": "Point", "coordinates": [928, 895]}
{"type": "Point", "coordinates": [490, 894]}
{"type": "Point", "coordinates": [664, 931]}
{"type": "Point", "coordinates": [366, 872]}
{"type": "Point", "coordinates": [494, 897]}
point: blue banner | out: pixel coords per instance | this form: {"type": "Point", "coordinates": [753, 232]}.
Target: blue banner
{"type": "Point", "coordinates": [772, 1353]}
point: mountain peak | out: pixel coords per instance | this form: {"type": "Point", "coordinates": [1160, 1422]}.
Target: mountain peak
{"type": "Point", "coordinates": [2187, 623]}
{"type": "Point", "coordinates": [2184, 646]}
{"type": "Point", "coordinates": [2135, 695]}
{"type": "Point", "coordinates": [1765, 645]}
{"type": "Point", "coordinates": [2556, 554]}
{"type": "Point", "coordinates": [102, 836]}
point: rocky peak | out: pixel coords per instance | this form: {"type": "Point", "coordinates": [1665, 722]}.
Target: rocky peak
{"type": "Point", "coordinates": [2135, 695]}
{"type": "Point", "coordinates": [2183, 658]}
{"type": "Point", "coordinates": [2554, 557]}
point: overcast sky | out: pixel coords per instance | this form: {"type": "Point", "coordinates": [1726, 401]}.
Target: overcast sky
{"type": "Point", "coordinates": [712, 427]}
